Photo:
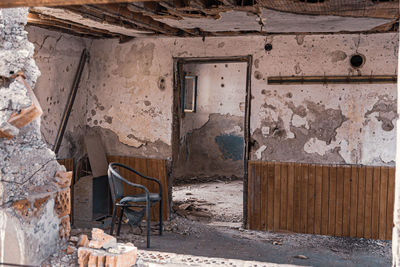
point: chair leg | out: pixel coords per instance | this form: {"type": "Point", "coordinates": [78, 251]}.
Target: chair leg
{"type": "Point", "coordinates": [161, 217]}
{"type": "Point", "coordinates": [113, 220]}
{"type": "Point", "coordinates": [120, 220]}
{"type": "Point", "coordinates": [148, 222]}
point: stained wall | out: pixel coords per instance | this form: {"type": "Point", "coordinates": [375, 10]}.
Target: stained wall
{"type": "Point", "coordinates": [57, 56]}
{"type": "Point", "coordinates": [212, 137]}
{"type": "Point", "coordinates": [130, 93]}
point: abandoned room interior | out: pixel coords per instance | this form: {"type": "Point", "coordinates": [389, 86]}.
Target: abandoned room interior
{"type": "Point", "coordinates": [269, 126]}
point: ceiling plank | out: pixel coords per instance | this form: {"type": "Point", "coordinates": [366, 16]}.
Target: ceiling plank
{"type": "Point", "coordinates": [33, 3]}
{"type": "Point", "coordinates": [43, 20]}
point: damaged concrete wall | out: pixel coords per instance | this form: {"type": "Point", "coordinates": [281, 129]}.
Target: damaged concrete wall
{"type": "Point", "coordinates": [131, 95]}
{"type": "Point", "coordinates": [57, 56]}
{"type": "Point", "coordinates": [34, 208]}
{"type": "Point", "coordinates": [212, 137]}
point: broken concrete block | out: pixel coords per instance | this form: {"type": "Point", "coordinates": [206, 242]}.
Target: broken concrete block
{"type": "Point", "coordinates": [63, 179]}
{"type": "Point", "coordinates": [102, 240]}
{"type": "Point", "coordinates": [23, 117]}
{"type": "Point", "coordinates": [123, 255]}
{"type": "Point", "coordinates": [83, 257]}
{"type": "Point", "coordinates": [65, 228]}
{"type": "Point", "coordinates": [83, 241]}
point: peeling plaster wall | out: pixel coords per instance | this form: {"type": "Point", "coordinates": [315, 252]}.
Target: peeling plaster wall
{"type": "Point", "coordinates": [57, 56]}
{"type": "Point", "coordinates": [131, 94]}
{"type": "Point", "coordinates": [212, 138]}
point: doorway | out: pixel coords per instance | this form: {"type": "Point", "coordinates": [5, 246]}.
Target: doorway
{"type": "Point", "coordinates": [210, 135]}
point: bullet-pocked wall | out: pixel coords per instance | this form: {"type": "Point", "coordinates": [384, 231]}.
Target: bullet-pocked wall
{"type": "Point", "coordinates": [57, 56]}
{"type": "Point", "coordinates": [130, 96]}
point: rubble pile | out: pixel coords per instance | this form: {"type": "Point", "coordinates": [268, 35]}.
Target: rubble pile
{"type": "Point", "coordinates": [103, 250]}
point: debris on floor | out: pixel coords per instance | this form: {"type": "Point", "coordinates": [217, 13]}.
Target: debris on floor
{"type": "Point", "coordinates": [218, 202]}
{"type": "Point", "coordinates": [193, 209]}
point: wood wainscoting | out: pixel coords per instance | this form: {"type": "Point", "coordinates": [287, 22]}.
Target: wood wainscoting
{"type": "Point", "coordinates": [336, 200]}
{"type": "Point", "coordinates": [68, 164]}
{"type": "Point", "coordinates": [150, 167]}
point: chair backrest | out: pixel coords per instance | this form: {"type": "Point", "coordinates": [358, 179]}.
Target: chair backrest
{"type": "Point", "coordinates": [116, 185]}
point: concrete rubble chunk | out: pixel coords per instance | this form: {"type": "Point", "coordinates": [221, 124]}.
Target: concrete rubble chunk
{"type": "Point", "coordinates": [83, 241]}
{"type": "Point", "coordinates": [123, 255]}
{"type": "Point", "coordinates": [102, 240]}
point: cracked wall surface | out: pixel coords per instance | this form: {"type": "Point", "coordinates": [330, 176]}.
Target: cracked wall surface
{"type": "Point", "coordinates": [57, 55]}
{"type": "Point", "coordinates": [30, 228]}
{"type": "Point", "coordinates": [346, 123]}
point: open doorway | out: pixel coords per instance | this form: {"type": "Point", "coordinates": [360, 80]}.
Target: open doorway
{"type": "Point", "coordinates": [210, 139]}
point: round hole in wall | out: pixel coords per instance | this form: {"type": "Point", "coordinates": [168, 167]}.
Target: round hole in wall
{"type": "Point", "coordinates": [268, 47]}
{"type": "Point", "coordinates": [357, 60]}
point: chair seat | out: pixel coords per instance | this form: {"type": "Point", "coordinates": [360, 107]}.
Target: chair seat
{"type": "Point", "coordinates": [140, 198]}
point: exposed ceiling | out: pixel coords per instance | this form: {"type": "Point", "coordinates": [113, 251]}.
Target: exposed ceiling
{"type": "Point", "coordinates": [218, 17]}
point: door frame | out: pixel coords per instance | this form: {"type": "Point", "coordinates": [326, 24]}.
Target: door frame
{"type": "Point", "coordinates": [176, 112]}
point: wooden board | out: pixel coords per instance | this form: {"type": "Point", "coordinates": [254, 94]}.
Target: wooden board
{"type": "Point", "coordinates": [150, 167]}
{"type": "Point", "coordinates": [337, 200]}
{"type": "Point", "coordinates": [68, 164]}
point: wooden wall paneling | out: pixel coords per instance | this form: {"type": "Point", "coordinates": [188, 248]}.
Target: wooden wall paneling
{"type": "Point", "coordinates": [369, 173]}
{"type": "Point", "coordinates": [290, 194]}
{"type": "Point", "coordinates": [277, 195]}
{"type": "Point", "coordinates": [263, 170]}
{"type": "Point", "coordinates": [361, 201]}
{"type": "Point", "coordinates": [311, 199]}
{"type": "Point", "coordinates": [303, 198]}
{"type": "Point", "coordinates": [338, 200]}
{"type": "Point", "coordinates": [270, 199]}
{"type": "Point", "coordinates": [318, 199]}
{"type": "Point", "coordinates": [297, 198]}
{"type": "Point", "coordinates": [250, 195]}
{"type": "Point", "coordinates": [325, 200]}
{"type": "Point", "coordinates": [332, 200]}
{"type": "Point", "coordinates": [383, 192]}
{"type": "Point", "coordinates": [346, 200]}
{"type": "Point", "coordinates": [257, 197]}
{"type": "Point", "coordinates": [284, 196]}
{"type": "Point", "coordinates": [353, 201]}
{"type": "Point", "coordinates": [390, 204]}
{"type": "Point", "coordinates": [375, 202]}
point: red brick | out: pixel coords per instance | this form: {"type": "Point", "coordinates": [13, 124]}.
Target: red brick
{"type": "Point", "coordinates": [101, 239]}
{"type": "Point", "coordinates": [83, 241]}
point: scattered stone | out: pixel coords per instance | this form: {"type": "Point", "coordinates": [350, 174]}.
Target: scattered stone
{"type": "Point", "coordinates": [102, 240]}
{"type": "Point", "coordinates": [301, 257]}
{"type": "Point", "coordinates": [83, 241]}
{"type": "Point", "coordinates": [70, 250]}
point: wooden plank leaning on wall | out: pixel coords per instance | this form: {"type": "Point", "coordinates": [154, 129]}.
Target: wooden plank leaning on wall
{"type": "Point", "coordinates": [337, 200]}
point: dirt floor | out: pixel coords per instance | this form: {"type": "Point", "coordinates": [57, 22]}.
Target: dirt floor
{"type": "Point", "coordinates": [200, 233]}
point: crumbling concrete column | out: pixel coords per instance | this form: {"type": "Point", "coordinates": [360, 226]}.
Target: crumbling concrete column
{"type": "Point", "coordinates": [34, 188]}
{"type": "Point", "coordinates": [396, 215]}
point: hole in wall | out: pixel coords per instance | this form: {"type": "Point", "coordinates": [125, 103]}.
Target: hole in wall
{"type": "Point", "coordinates": [268, 47]}
{"type": "Point", "coordinates": [357, 60]}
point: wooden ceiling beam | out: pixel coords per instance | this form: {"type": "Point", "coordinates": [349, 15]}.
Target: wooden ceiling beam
{"type": "Point", "coordinates": [48, 21]}
{"type": "Point", "coordinates": [122, 13]}
{"type": "Point", "coordinates": [96, 14]}
{"type": "Point", "coordinates": [33, 3]}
